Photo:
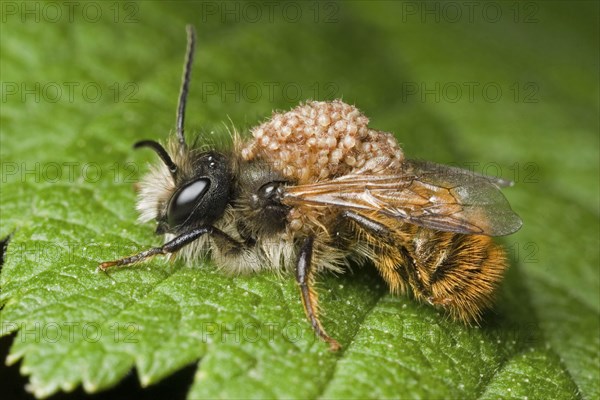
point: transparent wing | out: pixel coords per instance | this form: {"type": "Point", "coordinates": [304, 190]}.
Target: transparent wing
{"type": "Point", "coordinates": [422, 193]}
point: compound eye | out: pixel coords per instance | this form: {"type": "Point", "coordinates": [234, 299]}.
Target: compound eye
{"type": "Point", "coordinates": [185, 201]}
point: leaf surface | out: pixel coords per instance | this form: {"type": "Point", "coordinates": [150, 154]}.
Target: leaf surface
{"type": "Point", "coordinates": [68, 172]}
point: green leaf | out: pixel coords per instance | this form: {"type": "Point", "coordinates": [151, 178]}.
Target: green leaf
{"type": "Point", "coordinates": [78, 91]}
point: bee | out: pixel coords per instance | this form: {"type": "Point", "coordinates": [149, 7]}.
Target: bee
{"type": "Point", "coordinates": [315, 189]}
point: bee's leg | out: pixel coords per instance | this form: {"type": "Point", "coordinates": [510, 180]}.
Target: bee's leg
{"type": "Point", "coordinates": [305, 279]}
{"type": "Point", "coordinates": [170, 247]}
{"type": "Point", "coordinates": [419, 285]}
{"type": "Point", "coordinates": [408, 269]}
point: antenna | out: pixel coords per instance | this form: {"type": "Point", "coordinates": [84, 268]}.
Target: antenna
{"type": "Point", "coordinates": [162, 153]}
{"type": "Point", "coordinates": [185, 84]}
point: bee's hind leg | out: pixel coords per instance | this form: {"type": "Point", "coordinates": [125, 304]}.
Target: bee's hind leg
{"type": "Point", "coordinates": [305, 279]}
{"type": "Point", "coordinates": [171, 247]}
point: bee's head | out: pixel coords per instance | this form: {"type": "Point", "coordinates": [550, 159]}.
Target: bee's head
{"type": "Point", "coordinates": [194, 192]}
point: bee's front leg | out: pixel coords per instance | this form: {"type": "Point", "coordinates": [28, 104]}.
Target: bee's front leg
{"type": "Point", "coordinates": [172, 246]}
{"type": "Point", "coordinates": [305, 279]}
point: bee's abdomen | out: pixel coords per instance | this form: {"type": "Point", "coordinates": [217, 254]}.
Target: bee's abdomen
{"type": "Point", "coordinates": [457, 272]}
{"type": "Point", "coordinates": [454, 271]}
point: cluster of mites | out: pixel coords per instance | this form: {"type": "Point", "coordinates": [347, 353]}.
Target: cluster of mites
{"type": "Point", "coordinates": [320, 140]}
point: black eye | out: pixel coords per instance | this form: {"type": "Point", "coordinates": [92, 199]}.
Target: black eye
{"type": "Point", "coordinates": [185, 201]}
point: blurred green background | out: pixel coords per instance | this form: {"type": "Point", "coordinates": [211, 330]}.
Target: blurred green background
{"type": "Point", "coordinates": [506, 88]}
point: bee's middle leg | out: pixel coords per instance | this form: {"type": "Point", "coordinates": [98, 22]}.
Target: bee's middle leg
{"type": "Point", "coordinates": [305, 279]}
